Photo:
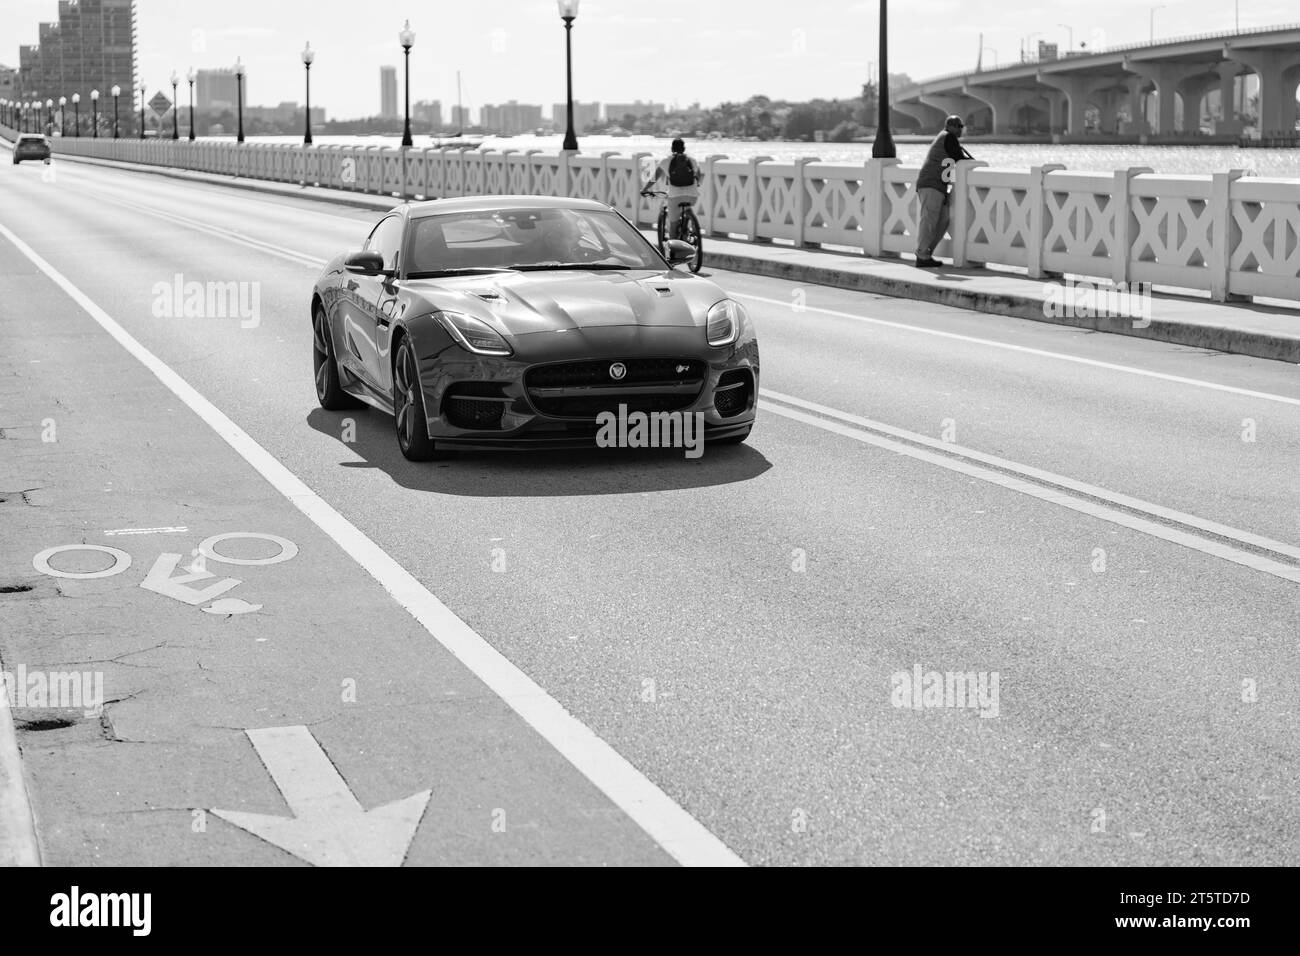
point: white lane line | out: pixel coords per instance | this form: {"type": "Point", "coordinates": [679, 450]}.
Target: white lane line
{"type": "Point", "coordinates": [676, 831]}
{"type": "Point", "coordinates": [147, 530]}
{"type": "Point", "coordinates": [1092, 491]}
{"type": "Point", "coordinates": [1043, 353]}
{"type": "Point", "coordinates": [1054, 496]}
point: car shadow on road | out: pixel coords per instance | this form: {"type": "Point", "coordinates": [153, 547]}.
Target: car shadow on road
{"type": "Point", "coordinates": [548, 473]}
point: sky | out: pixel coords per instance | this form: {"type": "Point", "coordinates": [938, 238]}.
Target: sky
{"type": "Point", "coordinates": [671, 51]}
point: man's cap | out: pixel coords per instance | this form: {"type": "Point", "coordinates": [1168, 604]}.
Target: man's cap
{"type": "Point", "coordinates": [954, 120]}
{"type": "Point", "coordinates": [679, 146]}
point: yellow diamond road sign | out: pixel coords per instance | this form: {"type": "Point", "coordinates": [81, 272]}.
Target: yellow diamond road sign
{"type": "Point", "coordinates": [160, 104]}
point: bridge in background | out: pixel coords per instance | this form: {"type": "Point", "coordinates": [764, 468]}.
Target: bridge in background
{"type": "Point", "coordinates": [1118, 82]}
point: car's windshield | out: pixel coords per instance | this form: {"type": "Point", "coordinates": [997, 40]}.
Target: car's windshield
{"type": "Point", "coordinates": [527, 239]}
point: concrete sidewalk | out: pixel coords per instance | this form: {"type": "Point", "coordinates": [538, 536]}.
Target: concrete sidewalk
{"type": "Point", "coordinates": [1258, 329]}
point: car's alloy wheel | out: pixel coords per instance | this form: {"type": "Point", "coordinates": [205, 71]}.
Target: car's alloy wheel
{"type": "Point", "coordinates": [408, 406]}
{"type": "Point", "coordinates": [329, 390]}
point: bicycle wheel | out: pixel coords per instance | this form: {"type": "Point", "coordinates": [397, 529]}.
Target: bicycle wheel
{"type": "Point", "coordinates": [691, 229]}
{"type": "Point", "coordinates": [660, 228]}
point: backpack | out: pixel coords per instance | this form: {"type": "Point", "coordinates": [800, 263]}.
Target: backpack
{"type": "Point", "coordinates": [681, 171]}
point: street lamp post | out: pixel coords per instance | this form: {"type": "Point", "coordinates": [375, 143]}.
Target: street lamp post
{"type": "Point", "coordinates": [1153, 21]}
{"type": "Point", "coordinates": [190, 77]}
{"type": "Point", "coordinates": [63, 116]}
{"type": "Point", "coordinates": [883, 147]}
{"type": "Point", "coordinates": [308, 55]}
{"type": "Point", "coordinates": [94, 113]}
{"type": "Point", "coordinates": [49, 115]}
{"type": "Point", "coordinates": [143, 90]}
{"type": "Point", "coordinates": [569, 13]}
{"type": "Point", "coordinates": [116, 91]}
{"type": "Point", "coordinates": [176, 108]}
{"type": "Point", "coordinates": [239, 84]}
{"type": "Point", "coordinates": [1070, 45]}
{"type": "Point", "coordinates": [76, 115]}
{"type": "Point", "coordinates": [407, 39]}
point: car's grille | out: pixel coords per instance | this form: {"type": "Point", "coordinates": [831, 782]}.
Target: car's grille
{"type": "Point", "coordinates": [734, 392]}
{"type": "Point", "coordinates": [585, 389]}
{"type": "Point", "coordinates": [477, 405]}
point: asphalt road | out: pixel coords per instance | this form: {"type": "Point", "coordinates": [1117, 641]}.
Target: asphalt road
{"type": "Point", "coordinates": [1108, 525]}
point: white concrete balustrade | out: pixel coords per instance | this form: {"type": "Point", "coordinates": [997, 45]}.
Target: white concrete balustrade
{"type": "Point", "coordinates": [1226, 233]}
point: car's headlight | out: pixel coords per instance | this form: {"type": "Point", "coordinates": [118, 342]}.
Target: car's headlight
{"type": "Point", "coordinates": [473, 335]}
{"type": "Point", "coordinates": [725, 319]}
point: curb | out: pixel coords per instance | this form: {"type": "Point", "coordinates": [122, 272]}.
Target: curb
{"type": "Point", "coordinates": [18, 846]}
{"type": "Point", "coordinates": [1217, 338]}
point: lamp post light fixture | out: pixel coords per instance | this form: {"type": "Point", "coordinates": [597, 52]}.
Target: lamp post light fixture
{"type": "Point", "coordinates": [94, 113]}
{"type": "Point", "coordinates": [239, 95]}
{"type": "Point", "coordinates": [569, 13]}
{"type": "Point", "coordinates": [176, 108]}
{"type": "Point", "coordinates": [407, 39]}
{"type": "Point", "coordinates": [190, 77]}
{"type": "Point", "coordinates": [308, 55]}
{"type": "Point", "coordinates": [883, 146]}
{"type": "Point", "coordinates": [63, 116]}
{"type": "Point", "coordinates": [76, 115]}
{"type": "Point", "coordinates": [116, 91]}
{"type": "Point", "coordinates": [49, 115]}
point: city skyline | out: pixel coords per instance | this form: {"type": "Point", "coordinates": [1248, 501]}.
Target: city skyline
{"type": "Point", "coordinates": [824, 50]}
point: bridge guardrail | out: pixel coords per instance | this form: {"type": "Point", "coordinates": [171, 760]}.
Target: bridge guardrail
{"type": "Point", "coordinates": [1226, 233]}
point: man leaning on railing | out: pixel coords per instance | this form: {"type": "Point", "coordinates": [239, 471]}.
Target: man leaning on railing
{"type": "Point", "coordinates": [937, 172]}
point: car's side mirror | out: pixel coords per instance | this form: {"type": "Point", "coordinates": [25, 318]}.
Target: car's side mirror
{"type": "Point", "coordinates": [364, 263]}
{"type": "Point", "coordinates": [679, 251]}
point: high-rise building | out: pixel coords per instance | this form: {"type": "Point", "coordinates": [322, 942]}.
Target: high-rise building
{"type": "Point", "coordinates": [92, 46]}
{"type": "Point", "coordinates": [510, 118]}
{"type": "Point", "coordinates": [460, 120]}
{"type": "Point", "coordinates": [388, 92]}
{"type": "Point", "coordinates": [614, 112]}
{"type": "Point", "coordinates": [585, 116]}
{"type": "Point", "coordinates": [427, 113]}
{"type": "Point", "coordinates": [217, 90]}
{"type": "Point", "coordinates": [8, 80]}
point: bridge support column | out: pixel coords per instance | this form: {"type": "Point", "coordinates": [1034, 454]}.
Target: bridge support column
{"type": "Point", "coordinates": [1166, 77]}
{"type": "Point", "coordinates": [1229, 120]}
{"type": "Point", "coordinates": [1003, 101]}
{"type": "Point", "coordinates": [1076, 89]}
{"type": "Point", "coordinates": [1137, 124]}
{"type": "Point", "coordinates": [1276, 69]}
{"type": "Point", "coordinates": [1192, 91]}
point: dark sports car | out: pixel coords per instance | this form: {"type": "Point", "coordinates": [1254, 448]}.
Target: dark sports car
{"type": "Point", "coordinates": [518, 321]}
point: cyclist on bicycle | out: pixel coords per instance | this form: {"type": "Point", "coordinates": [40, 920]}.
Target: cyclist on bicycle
{"type": "Point", "coordinates": [683, 175]}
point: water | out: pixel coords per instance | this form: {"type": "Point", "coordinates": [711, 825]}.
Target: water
{"type": "Point", "coordinates": [1175, 160]}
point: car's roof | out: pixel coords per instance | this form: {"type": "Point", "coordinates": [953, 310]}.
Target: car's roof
{"type": "Point", "coordinates": [31, 136]}
{"type": "Point", "coordinates": [434, 207]}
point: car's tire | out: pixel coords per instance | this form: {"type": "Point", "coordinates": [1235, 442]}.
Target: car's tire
{"type": "Point", "coordinates": [734, 439]}
{"type": "Point", "coordinates": [408, 406]}
{"type": "Point", "coordinates": [329, 390]}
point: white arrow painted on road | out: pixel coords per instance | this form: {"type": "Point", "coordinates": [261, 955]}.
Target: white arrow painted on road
{"type": "Point", "coordinates": [328, 826]}
{"type": "Point", "coordinates": [162, 579]}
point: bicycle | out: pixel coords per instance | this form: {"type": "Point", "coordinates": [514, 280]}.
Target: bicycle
{"type": "Point", "coordinates": [687, 228]}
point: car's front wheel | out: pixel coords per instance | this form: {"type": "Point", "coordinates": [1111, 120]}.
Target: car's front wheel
{"type": "Point", "coordinates": [408, 406]}
{"type": "Point", "coordinates": [329, 390]}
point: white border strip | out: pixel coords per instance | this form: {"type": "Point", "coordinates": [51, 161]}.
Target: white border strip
{"type": "Point", "coordinates": [676, 831]}
{"type": "Point", "coordinates": [18, 845]}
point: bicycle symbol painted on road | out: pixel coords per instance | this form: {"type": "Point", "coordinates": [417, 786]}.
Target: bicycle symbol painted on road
{"type": "Point", "coordinates": [162, 577]}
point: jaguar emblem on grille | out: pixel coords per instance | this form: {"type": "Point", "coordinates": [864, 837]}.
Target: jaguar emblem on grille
{"type": "Point", "coordinates": [683, 368]}
{"type": "Point", "coordinates": [617, 371]}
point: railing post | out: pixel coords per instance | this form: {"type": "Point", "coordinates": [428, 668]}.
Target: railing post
{"type": "Point", "coordinates": [875, 206]}
{"type": "Point", "coordinates": [1122, 261]}
{"type": "Point", "coordinates": [801, 200]}
{"type": "Point", "coordinates": [562, 180]}
{"type": "Point", "coordinates": [960, 211]}
{"type": "Point", "coordinates": [530, 177]}
{"type": "Point", "coordinates": [606, 186]}
{"type": "Point", "coordinates": [1038, 217]}
{"type": "Point", "coordinates": [709, 192]}
{"type": "Point", "coordinates": [637, 202]}
{"type": "Point", "coordinates": [755, 196]}
{"type": "Point", "coordinates": [1221, 236]}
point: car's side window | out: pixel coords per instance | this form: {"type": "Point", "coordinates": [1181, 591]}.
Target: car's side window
{"type": "Point", "coordinates": [386, 239]}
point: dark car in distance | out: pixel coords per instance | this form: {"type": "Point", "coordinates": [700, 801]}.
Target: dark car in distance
{"type": "Point", "coordinates": [516, 321]}
{"type": "Point", "coordinates": [31, 146]}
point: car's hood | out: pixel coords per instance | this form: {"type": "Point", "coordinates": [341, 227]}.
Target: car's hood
{"type": "Point", "coordinates": [527, 302]}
